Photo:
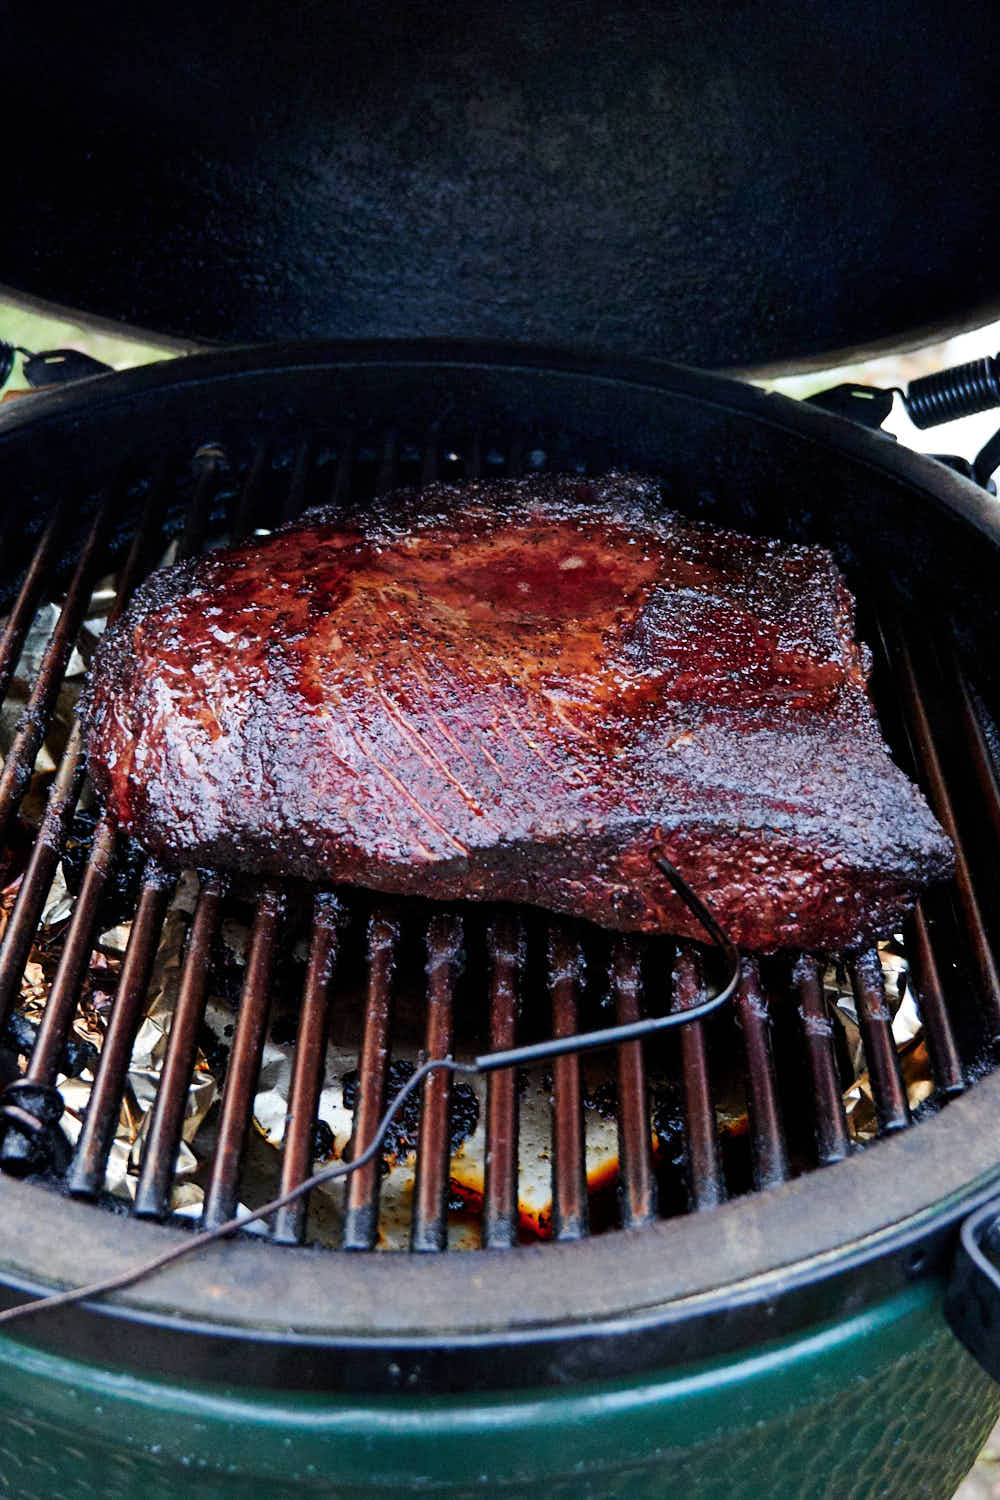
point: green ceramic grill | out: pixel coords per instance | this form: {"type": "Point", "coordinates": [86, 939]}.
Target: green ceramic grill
{"type": "Point", "coordinates": [754, 1300]}
{"type": "Point", "coordinates": [751, 1258]}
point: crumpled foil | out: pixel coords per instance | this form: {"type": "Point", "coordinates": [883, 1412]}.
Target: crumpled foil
{"type": "Point", "coordinates": [466, 1169]}
{"type": "Point", "coordinates": [467, 1163]}
{"type": "Point", "coordinates": [149, 1049]}
{"type": "Point", "coordinates": [907, 1033]}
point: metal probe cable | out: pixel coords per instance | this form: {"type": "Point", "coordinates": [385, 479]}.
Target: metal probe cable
{"type": "Point", "coordinates": [486, 1062]}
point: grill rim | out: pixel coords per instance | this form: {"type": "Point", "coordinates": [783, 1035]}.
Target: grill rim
{"type": "Point", "coordinates": [100, 393]}
{"type": "Point", "coordinates": [652, 1323]}
{"type": "Point", "coordinates": [695, 1287]}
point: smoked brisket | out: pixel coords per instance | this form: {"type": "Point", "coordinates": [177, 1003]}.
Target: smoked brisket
{"type": "Point", "coordinates": [517, 690]}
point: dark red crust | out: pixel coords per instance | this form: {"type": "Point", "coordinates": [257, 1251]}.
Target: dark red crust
{"type": "Point", "coordinates": [514, 690]}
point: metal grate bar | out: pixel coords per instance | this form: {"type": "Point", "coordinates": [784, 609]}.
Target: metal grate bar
{"type": "Point", "coordinates": [138, 559]}
{"type": "Point", "coordinates": [22, 929]}
{"type": "Point", "coordinates": [60, 1005]}
{"type": "Point", "coordinates": [298, 485]}
{"type": "Point", "coordinates": [250, 495]}
{"type": "Point", "coordinates": [385, 477]}
{"type": "Point", "coordinates": [832, 1140]}
{"type": "Point", "coordinates": [86, 1174]}
{"type": "Point", "coordinates": [769, 1156]}
{"type": "Point", "coordinates": [500, 1218]}
{"type": "Point", "coordinates": [77, 948]}
{"type": "Point", "coordinates": [473, 455]}
{"type": "Point", "coordinates": [429, 1230]}
{"type": "Point", "coordinates": [26, 604]}
{"type": "Point", "coordinates": [307, 1072]}
{"type": "Point", "coordinates": [946, 1064]}
{"type": "Point", "coordinates": [34, 721]}
{"type": "Point", "coordinates": [636, 1183]}
{"type": "Point", "coordinates": [430, 466]}
{"type": "Point", "coordinates": [706, 1183]}
{"type": "Point", "coordinates": [343, 474]}
{"type": "Point", "coordinates": [569, 1169]}
{"type": "Point", "coordinates": [982, 760]}
{"type": "Point", "coordinates": [875, 1021]}
{"type": "Point", "coordinates": [208, 461]}
{"type": "Point", "coordinates": [244, 1063]}
{"type": "Point", "coordinates": [940, 799]}
{"type": "Point", "coordinates": [63, 797]}
{"type": "Point", "coordinates": [159, 1155]}
{"type": "Point", "coordinates": [361, 1215]}
{"type": "Point", "coordinates": [515, 454]}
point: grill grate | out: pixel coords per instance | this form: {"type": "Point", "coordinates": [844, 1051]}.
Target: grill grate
{"type": "Point", "coordinates": [779, 1027]}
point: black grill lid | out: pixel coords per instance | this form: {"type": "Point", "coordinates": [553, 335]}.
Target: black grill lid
{"type": "Point", "coordinates": [722, 185]}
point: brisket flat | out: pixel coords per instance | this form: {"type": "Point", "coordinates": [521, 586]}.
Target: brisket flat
{"type": "Point", "coordinates": [516, 690]}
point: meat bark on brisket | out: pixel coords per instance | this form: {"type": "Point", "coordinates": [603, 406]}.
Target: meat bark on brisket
{"type": "Point", "coordinates": [516, 690]}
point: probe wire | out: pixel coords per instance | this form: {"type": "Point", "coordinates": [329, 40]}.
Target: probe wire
{"type": "Point", "coordinates": [486, 1062]}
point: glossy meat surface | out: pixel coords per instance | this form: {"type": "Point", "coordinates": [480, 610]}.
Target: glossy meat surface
{"type": "Point", "coordinates": [516, 690]}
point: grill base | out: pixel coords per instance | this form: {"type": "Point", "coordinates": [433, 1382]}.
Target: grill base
{"type": "Point", "coordinates": [886, 1403]}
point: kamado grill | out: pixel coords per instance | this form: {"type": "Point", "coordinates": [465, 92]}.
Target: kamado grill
{"type": "Point", "coordinates": [687, 1301]}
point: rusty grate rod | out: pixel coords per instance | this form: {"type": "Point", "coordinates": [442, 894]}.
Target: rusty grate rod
{"type": "Point", "coordinates": [875, 1021]}
{"type": "Point", "coordinates": [927, 758]}
{"type": "Point", "coordinates": [86, 1175]}
{"type": "Point", "coordinates": [473, 455]}
{"type": "Point", "coordinates": [34, 721]}
{"type": "Point", "coordinates": [343, 473]}
{"type": "Point", "coordinates": [63, 796]}
{"type": "Point", "coordinates": [515, 454]}
{"type": "Point", "coordinates": [207, 462]}
{"type": "Point", "coordinates": [163, 1138]}
{"type": "Point", "coordinates": [22, 929]}
{"type": "Point", "coordinates": [429, 1230]}
{"type": "Point", "coordinates": [26, 604]}
{"type": "Point", "coordinates": [982, 760]}
{"type": "Point", "coordinates": [19, 1151]}
{"type": "Point", "coordinates": [946, 1064]}
{"type": "Point", "coordinates": [361, 1212]}
{"type": "Point", "coordinates": [505, 945]}
{"type": "Point", "coordinates": [78, 945]}
{"type": "Point", "coordinates": [613, 1036]}
{"type": "Point", "coordinates": [307, 1071]}
{"type": "Point", "coordinates": [385, 478]}
{"type": "Point", "coordinates": [833, 1142]}
{"type": "Point", "coordinates": [249, 501]}
{"type": "Point", "coordinates": [767, 1135]}
{"type": "Point", "coordinates": [569, 1164]}
{"type": "Point", "coordinates": [235, 1112]}
{"type": "Point", "coordinates": [430, 465]}
{"type": "Point", "coordinates": [295, 498]}
{"type": "Point", "coordinates": [60, 1006]}
{"type": "Point", "coordinates": [636, 1183]}
{"type": "Point", "coordinates": [706, 1183]}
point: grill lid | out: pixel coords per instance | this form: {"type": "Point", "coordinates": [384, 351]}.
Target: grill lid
{"type": "Point", "coordinates": [725, 186]}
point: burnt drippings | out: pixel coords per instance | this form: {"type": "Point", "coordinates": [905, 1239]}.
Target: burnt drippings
{"type": "Point", "coordinates": [402, 1136]}
{"type": "Point", "coordinates": [124, 881]}
{"type": "Point", "coordinates": [323, 1141]}
{"type": "Point", "coordinates": [19, 1036]}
